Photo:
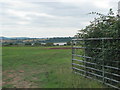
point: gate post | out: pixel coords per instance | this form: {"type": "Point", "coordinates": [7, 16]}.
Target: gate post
{"type": "Point", "coordinates": [103, 62]}
{"type": "Point", "coordinates": [72, 53]}
{"type": "Point", "coordinates": [85, 59]}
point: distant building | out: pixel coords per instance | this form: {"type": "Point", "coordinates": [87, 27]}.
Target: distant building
{"type": "Point", "coordinates": [32, 44]}
{"type": "Point", "coordinates": [60, 43]}
{"type": "Point", "coordinates": [43, 43]}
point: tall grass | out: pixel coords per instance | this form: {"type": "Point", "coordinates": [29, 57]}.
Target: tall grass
{"type": "Point", "coordinates": [41, 68]}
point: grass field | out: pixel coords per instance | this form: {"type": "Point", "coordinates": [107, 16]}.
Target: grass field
{"type": "Point", "coordinates": [40, 67]}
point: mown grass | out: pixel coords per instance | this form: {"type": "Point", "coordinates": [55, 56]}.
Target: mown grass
{"type": "Point", "coordinates": [40, 67]}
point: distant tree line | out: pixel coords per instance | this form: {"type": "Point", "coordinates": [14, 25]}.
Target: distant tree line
{"type": "Point", "coordinates": [34, 44]}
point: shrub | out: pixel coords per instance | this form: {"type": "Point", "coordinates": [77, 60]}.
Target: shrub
{"type": "Point", "coordinates": [105, 26]}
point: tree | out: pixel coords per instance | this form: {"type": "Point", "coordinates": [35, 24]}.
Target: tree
{"type": "Point", "coordinates": [37, 44]}
{"type": "Point", "coordinates": [49, 44]}
{"type": "Point", "coordinates": [68, 43]}
{"type": "Point", "coordinates": [105, 26]}
{"type": "Point", "coordinates": [27, 43]}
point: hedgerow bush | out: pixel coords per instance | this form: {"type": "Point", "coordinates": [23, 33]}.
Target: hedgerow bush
{"type": "Point", "coordinates": [103, 26]}
{"type": "Point", "coordinates": [105, 52]}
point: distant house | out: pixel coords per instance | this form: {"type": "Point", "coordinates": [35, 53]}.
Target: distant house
{"type": "Point", "coordinates": [43, 43]}
{"type": "Point", "coordinates": [32, 44]}
{"type": "Point", "coordinates": [60, 43]}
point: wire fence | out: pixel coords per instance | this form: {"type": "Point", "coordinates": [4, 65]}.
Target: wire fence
{"type": "Point", "coordinates": [97, 58]}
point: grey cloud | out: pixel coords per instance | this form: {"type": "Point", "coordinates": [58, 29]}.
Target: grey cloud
{"type": "Point", "coordinates": [49, 15]}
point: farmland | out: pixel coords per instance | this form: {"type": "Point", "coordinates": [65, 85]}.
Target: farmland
{"type": "Point", "coordinates": [41, 67]}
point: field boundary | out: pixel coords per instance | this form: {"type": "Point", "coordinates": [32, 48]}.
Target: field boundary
{"type": "Point", "coordinates": [96, 61]}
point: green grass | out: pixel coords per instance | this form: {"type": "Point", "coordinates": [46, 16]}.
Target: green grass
{"type": "Point", "coordinates": [40, 67]}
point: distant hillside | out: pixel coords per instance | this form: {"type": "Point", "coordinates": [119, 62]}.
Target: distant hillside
{"type": "Point", "coordinates": [58, 39]}
{"type": "Point", "coordinates": [4, 38]}
{"type": "Point", "coordinates": [35, 40]}
{"type": "Point", "coordinates": [18, 38]}
{"type": "Point", "coordinates": [13, 38]}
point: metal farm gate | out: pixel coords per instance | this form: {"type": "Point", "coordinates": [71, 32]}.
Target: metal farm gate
{"type": "Point", "coordinates": [97, 58]}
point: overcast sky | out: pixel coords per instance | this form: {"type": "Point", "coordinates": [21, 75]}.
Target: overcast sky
{"type": "Point", "coordinates": [51, 18]}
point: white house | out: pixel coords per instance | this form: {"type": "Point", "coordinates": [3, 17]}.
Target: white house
{"type": "Point", "coordinates": [60, 43]}
{"type": "Point", "coordinates": [43, 43]}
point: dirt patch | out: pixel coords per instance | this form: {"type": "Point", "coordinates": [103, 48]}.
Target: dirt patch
{"type": "Point", "coordinates": [16, 79]}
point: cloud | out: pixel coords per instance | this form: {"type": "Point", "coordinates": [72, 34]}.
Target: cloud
{"type": "Point", "coordinates": [38, 32]}
{"type": "Point", "coordinates": [27, 15]}
{"type": "Point", "coordinates": [49, 18]}
{"type": "Point", "coordinates": [23, 22]}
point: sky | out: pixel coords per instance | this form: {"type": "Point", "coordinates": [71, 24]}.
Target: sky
{"type": "Point", "coordinates": [49, 18]}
